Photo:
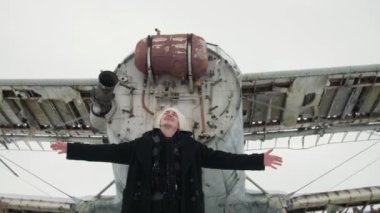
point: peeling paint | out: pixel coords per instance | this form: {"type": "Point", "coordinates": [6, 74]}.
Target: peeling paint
{"type": "Point", "coordinates": [66, 94]}
{"type": "Point", "coordinates": [180, 46]}
{"type": "Point", "coordinates": [159, 39]}
{"type": "Point", "coordinates": [179, 39]}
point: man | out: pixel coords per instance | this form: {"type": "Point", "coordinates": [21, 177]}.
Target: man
{"type": "Point", "coordinates": [165, 164]}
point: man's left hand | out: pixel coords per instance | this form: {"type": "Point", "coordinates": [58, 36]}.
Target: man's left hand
{"type": "Point", "coordinates": [272, 160]}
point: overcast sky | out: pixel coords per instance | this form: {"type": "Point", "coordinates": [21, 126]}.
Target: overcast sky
{"type": "Point", "coordinates": [77, 39]}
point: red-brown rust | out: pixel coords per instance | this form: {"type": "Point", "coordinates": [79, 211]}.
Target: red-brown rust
{"type": "Point", "coordinates": [169, 56]}
{"type": "Point", "coordinates": [143, 103]}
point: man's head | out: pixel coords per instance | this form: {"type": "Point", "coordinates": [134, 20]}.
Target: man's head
{"type": "Point", "coordinates": [171, 119]}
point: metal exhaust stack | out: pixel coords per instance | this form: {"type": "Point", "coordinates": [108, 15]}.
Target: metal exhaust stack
{"type": "Point", "coordinates": [103, 95]}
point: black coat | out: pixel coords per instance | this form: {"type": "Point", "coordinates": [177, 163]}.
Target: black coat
{"type": "Point", "coordinates": [138, 155]}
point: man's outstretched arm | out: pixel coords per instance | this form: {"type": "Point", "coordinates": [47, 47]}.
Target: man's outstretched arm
{"type": "Point", "coordinates": [114, 153]}
{"type": "Point", "coordinates": [224, 160]}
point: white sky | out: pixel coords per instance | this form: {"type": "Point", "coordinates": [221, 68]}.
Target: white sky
{"type": "Point", "coordinates": [77, 39]}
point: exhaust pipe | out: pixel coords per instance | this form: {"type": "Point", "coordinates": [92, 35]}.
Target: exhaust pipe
{"type": "Point", "coordinates": [103, 95]}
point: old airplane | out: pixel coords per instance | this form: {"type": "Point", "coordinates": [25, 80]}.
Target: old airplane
{"type": "Point", "coordinates": [224, 108]}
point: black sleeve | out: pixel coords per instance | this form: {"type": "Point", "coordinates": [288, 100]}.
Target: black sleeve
{"type": "Point", "coordinates": [114, 153]}
{"type": "Point", "coordinates": [224, 160]}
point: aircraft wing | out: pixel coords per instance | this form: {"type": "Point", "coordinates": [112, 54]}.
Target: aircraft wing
{"type": "Point", "coordinates": [21, 203]}
{"type": "Point", "coordinates": [45, 110]}
{"type": "Point", "coordinates": [335, 201]}
{"type": "Point", "coordinates": [275, 104]}
{"type": "Point", "coordinates": [313, 101]}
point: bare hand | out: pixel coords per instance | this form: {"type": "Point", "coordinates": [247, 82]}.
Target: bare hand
{"type": "Point", "coordinates": [59, 146]}
{"type": "Point", "coordinates": [272, 160]}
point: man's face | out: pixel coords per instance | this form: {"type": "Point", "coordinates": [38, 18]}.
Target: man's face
{"type": "Point", "coordinates": [169, 119]}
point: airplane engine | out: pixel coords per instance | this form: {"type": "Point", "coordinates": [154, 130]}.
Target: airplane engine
{"type": "Point", "coordinates": [201, 81]}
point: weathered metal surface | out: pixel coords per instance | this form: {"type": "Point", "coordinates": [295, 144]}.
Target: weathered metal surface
{"type": "Point", "coordinates": [47, 112]}
{"type": "Point", "coordinates": [278, 104]}
{"type": "Point", "coordinates": [344, 198]}
{"type": "Point", "coordinates": [324, 100]}
{"type": "Point", "coordinates": [9, 203]}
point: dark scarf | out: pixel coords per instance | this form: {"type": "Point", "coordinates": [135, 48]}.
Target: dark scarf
{"type": "Point", "coordinates": [166, 170]}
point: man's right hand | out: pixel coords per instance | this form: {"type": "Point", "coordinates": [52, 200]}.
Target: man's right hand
{"type": "Point", "coordinates": [59, 146]}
